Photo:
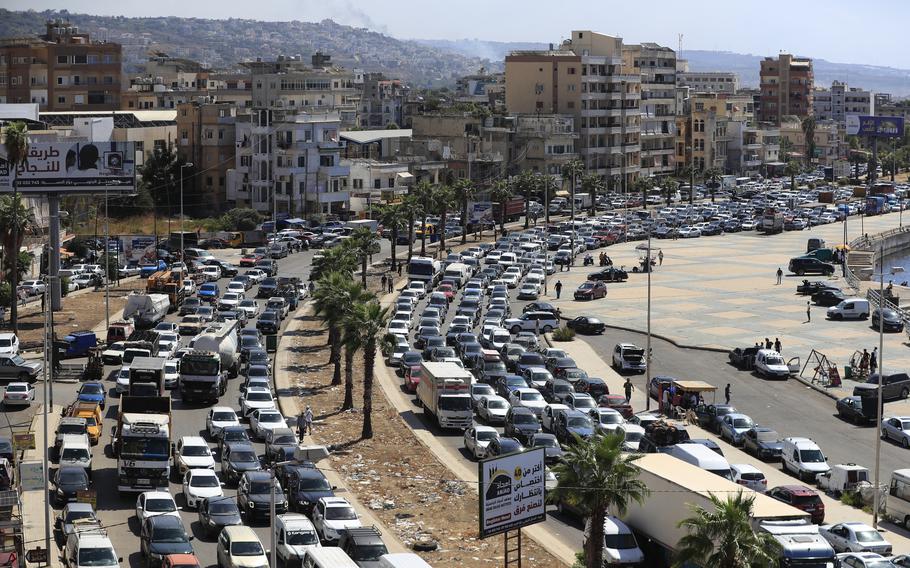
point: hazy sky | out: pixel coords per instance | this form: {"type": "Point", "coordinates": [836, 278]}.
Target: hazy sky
{"type": "Point", "coordinates": [837, 30]}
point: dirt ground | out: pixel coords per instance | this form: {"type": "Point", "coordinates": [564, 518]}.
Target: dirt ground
{"type": "Point", "coordinates": [399, 479]}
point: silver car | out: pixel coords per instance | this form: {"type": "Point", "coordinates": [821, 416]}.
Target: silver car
{"type": "Point", "coordinates": [897, 428]}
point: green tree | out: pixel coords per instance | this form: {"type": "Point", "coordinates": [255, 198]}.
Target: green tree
{"type": "Point", "coordinates": [808, 128]}
{"type": "Point", "coordinates": [792, 169]}
{"type": "Point", "coordinates": [546, 190]}
{"type": "Point", "coordinates": [641, 186]}
{"type": "Point", "coordinates": [712, 177]}
{"type": "Point", "coordinates": [356, 295]}
{"type": "Point", "coordinates": [423, 195]}
{"type": "Point", "coordinates": [592, 184]}
{"type": "Point", "coordinates": [393, 217]}
{"type": "Point", "coordinates": [160, 176]}
{"type": "Point", "coordinates": [688, 174]}
{"type": "Point", "coordinates": [363, 243]}
{"type": "Point", "coordinates": [443, 200]}
{"type": "Point", "coordinates": [411, 206]}
{"type": "Point", "coordinates": [335, 259]}
{"type": "Point", "coordinates": [723, 537]}
{"type": "Point", "coordinates": [571, 171]}
{"type": "Point", "coordinates": [330, 300]}
{"type": "Point", "coordinates": [13, 224]}
{"type": "Point", "coordinates": [500, 193]}
{"type": "Point", "coordinates": [526, 185]}
{"type": "Point", "coordinates": [240, 220]}
{"type": "Point", "coordinates": [670, 186]}
{"type": "Point", "coordinates": [369, 321]}
{"type": "Point", "coordinates": [596, 476]}
{"type": "Point", "coordinates": [464, 191]}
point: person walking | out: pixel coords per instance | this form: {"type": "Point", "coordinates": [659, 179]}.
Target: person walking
{"type": "Point", "coordinates": [780, 275]}
{"type": "Point", "coordinates": [864, 363]}
{"type": "Point", "coordinates": [301, 424]}
{"type": "Point", "coordinates": [727, 394]}
{"type": "Point", "coordinates": [558, 288]}
{"type": "Point", "coordinates": [660, 258]}
{"type": "Point", "coordinates": [399, 268]}
{"type": "Point", "coordinates": [777, 346]}
{"type": "Point", "coordinates": [808, 312]}
{"type": "Point", "coordinates": [767, 343]}
{"type": "Point", "coordinates": [873, 360]}
{"type": "Point", "coordinates": [628, 387]}
{"type": "Point", "coordinates": [383, 279]}
{"type": "Point", "coordinates": [391, 284]}
{"type": "Point", "coordinates": [308, 419]}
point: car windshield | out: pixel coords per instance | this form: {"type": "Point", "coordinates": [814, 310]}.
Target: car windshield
{"type": "Point", "coordinates": [75, 454]}
{"type": "Point", "coordinates": [454, 403]}
{"type": "Point", "coordinates": [340, 514]}
{"type": "Point", "coordinates": [742, 423]}
{"type": "Point", "coordinates": [18, 388]}
{"type": "Point", "coordinates": [610, 418]}
{"type": "Point", "coordinates": [774, 361]}
{"type": "Point", "coordinates": [531, 396]}
{"type": "Point", "coordinates": [259, 396]}
{"type": "Point", "coordinates": [252, 548]}
{"type": "Point", "coordinates": [481, 390]}
{"type": "Point", "coordinates": [196, 451]}
{"type": "Point", "coordinates": [811, 456]}
{"type": "Point", "coordinates": [284, 440]}
{"type": "Point", "coordinates": [495, 403]}
{"type": "Point", "coordinates": [579, 422]}
{"type": "Point", "coordinates": [204, 481]}
{"type": "Point", "coordinates": [224, 417]}
{"type": "Point", "coordinates": [486, 435]}
{"type": "Point", "coordinates": [223, 507]}
{"type": "Point", "coordinates": [301, 538]}
{"type": "Point", "coordinates": [261, 487]}
{"type": "Point", "coordinates": [868, 536]}
{"type": "Point", "coordinates": [72, 476]}
{"type": "Point", "coordinates": [76, 515]}
{"type": "Point", "coordinates": [92, 389]}
{"type": "Point", "coordinates": [524, 419]}
{"type": "Point", "coordinates": [97, 557]}
{"type": "Point", "coordinates": [369, 552]}
{"type": "Point", "coordinates": [621, 541]}
{"type": "Point", "coordinates": [770, 436]}
{"type": "Point", "coordinates": [169, 534]}
{"type": "Point", "coordinates": [160, 505]}
{"type": "Point", "coordinates": [315, 484]}
{"type": "Point", "coordinates": [584, 403]}
{"type": "Point", "coordinates": [270, 417]}
{"type": "Point", "coordinates": [545, 442]}
{"type": "Point", "coordinates": [244, 456]}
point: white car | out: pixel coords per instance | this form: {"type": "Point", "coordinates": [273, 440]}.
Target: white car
{"type": "Point", "coordinates": [166, 327]}
{"type": "Point", "coordinates": [493, 409]}
{"type": "Point", "coordinates": [855, 537]}
{"type": "Point", "coordinates": [549, 414]}
{"type": "Point", "coordinates": [332, 516]}
{"type": "Point", "coordinates": [229, 301]}
{"type": "Point", "coordinates": [171, 374]}
{"type": "Point", "coordinates": [480, 391]}
{"type": "Point", "coordinates": [620, 546]}
{"type": "Point", "coordinates": [236, 288]}
{"type": "Point", "coordinates": [263, 420]}
{"type": "Point", "coordinates": [192, 452]}
{"type": "Point", "coordinates": [251, 307]}
{"type": "Point", "coordinates": [296, 535]}
{"type": "Point", "coordinates": [154, 503]}
{"type": "Point", "coordinates": [219, 418]}
{"type": "Point", "coordinates": [529, 291]}
{"type": "Point", "coordinates": [399, 327]}
{"type": "Point", "coordinates": [9, 344]}
{"type": "Point", "coordinates": [529, 398]}
{"type": "Point", "coordinates": [199, 484]}
{"type": "Point", "coordinates": [897, 428]}
{"type": "Point", "coordinates": [211, 272]}
{"type": "Point", "coordinates": [688, 232]}
{"type": "Point", "coordinates": [538, 376]}
{"type": "Point", "coordinates": [749, 476]}
{"type": "Point", "coordinates": [255, 398]}
{"type": "Point", "coordinates": [256, 275]}
{"type": "Point", "coordinates": [18, 394]}
{"type": "Point", "coordinates": [477, 438]}
{"type": "Point", "coordinates": [113, 355]}
{"type": "Point", "coordinates": [606, 420]}
{"type": "Point", "coordinates": [633, 435]}
{"type": "Point", "coordinates": [189, 286]}
{"type": "Point", "coordinates": [417, 287]}
{"type": "Point", "coordinates": [123, 380]}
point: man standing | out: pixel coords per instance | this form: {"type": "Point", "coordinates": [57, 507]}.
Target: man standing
{"type": "Point", "coordinates": [301, 425]}
{"type": "Point", "coordinates": [383, 279]}
{"type": "Point", "coordinates": [873, 360]}
{"type": "Point", "coordinates": [558, 288]}
{"type": "Point", "coordinates": [727, 394]}
{"type": "Point", "coordinates": [660, 258]}
{"type": "Point", "coordinates": [777, 345]}
{"type": "Point", "coordinates": [308, 419]}
{"type": "Point", "coordinates": [628, 387]}
{"type": "Point", "coordinates": [767, 343]}
{"type": "Point", "coordinates": [780, 275]}
{"type": "Point", "coordinates": [391, 284]}
{"type": "Point", "coordinates": [808, 312]}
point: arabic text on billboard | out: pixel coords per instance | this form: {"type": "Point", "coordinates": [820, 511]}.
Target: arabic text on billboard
{"type": "Point", "coordinates": [512, 492]}
{"type": "Point", "coordinates": [875, 126]}
{"type": "Point", "coordinates": [85, 166]}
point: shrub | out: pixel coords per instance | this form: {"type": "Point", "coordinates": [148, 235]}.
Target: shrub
{"type": "Point", "coordinates": [564, 334]}
{"type": "Point", "coordinates": [5, 294]}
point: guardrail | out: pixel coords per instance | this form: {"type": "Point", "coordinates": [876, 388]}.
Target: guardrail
{"type": "Point", "coordinates": [874, 297]}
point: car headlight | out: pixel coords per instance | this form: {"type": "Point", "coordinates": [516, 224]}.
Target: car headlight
{"type": "Point", "coordinates": [251, 504]}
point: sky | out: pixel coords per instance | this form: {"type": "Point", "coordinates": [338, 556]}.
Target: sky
{"type": "Point", "coordinates": [837, 30]}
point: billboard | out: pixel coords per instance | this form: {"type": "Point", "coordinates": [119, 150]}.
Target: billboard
{"type": "Point", "coordinates": [875, 126]}
{"type": "Point", "coordinates": [481, 213]}
{"type": "Point", "coordinates": [512, 492]}
{"type": "Point", "coordinates": [72, 167]}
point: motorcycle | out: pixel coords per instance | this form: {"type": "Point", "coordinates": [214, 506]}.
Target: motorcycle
{"type": "Point", "coordinates": [589, 260]}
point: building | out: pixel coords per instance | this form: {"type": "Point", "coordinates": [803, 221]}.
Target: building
{"type": "Point", "coordinates": [709, 81]}
{"type": "Point", "coordinates": [543, 143]}
{"type": "Point", "coordinates": [657, 66]}
{"type": "Point", "coordinates": [471, 147]}
{"type": "Point", "coordinates": [289, 162]}
{"type": "Point", "coordinates": [166, 82]}
{"type": "Point", "coordinates": [383, 102]}
{"type": "Point", "coordinates": [840, 100]}
{"type": "Point", "coordinates": [375, 181]}
{"type": "Point", "coordinates": [207, 138]}
{"type": "Point", "coordinates": [62, 70]}
{"type": "Point", "coordinates": [830, 142]}
{"type": "Point", "coordinates": [786, 86]}
{"type": "Point", "coordinates": [587, 79]}
{"type": "Point", "coordinates": [752, 148]}
{"type": "Point", "coordinates": [482, 88]}
{"type": "Point", "coordinates": [706, 132]}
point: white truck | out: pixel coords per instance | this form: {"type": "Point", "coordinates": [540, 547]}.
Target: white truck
{"type": "Point", "coordinates": [444, 392]}
{"type": "Point", "coordinates": [146, 309]}
{"type": "Point", "coordinates": [142, 443]}
{"type": "Point", "coordinates": [222, 340]}
{"type": "Point", "coordinates": [457, 272]}
{"type": "Point", "coordinates": [676, 487]}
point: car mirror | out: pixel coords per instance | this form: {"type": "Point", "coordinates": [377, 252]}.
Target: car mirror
{"type": "Point", "coordinates": [334, 488]}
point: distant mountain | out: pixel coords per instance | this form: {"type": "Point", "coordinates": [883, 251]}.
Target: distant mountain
{"type": "Point", "coordinates": [223, 43]}
{"type": "Point", "coordinates": [494, 51]}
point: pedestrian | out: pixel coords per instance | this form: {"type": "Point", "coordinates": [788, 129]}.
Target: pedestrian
{"type": "Point", "coordinates": [301, 425]}
{"type": "Point", "coordinates": [308, 419]}
{"type": "Point", "coordinates": [693, 401]}
{"type": "Point", "coordinates": [780, 275]}
{"type": "Point", "coordinates": [808, 312]}
{"type": "Point", "coordinates": [864, 362]}
{"type": "Point", "coordinates": [558, 288]}
{"type": "Point", "coordinates": [666, 401]}
{"type": "Point", "coordinates": [777, 346]}
{"type": "Point", "coordinates": [391, 284]}
{"type": "Point", "coordinates": [727, 394]}
{"type": "Point", "coordinates": [660, 258]}
{"type": "Point", "coordinates": [767, 343]}
{"type": "Point", "coordinates": [399, 268]}
{"type": "Point", "coordinates": [873, 360]}
{"type": "Point", "coordinates": [628, 387]}
{"type": "Point", "coordinates": [383, 279]}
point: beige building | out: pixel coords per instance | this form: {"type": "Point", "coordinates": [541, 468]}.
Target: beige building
{"type": "Point", "coordinates": [705, 132]}
{"type": "Point", "coordinates": [657, 66]}
{"type": "Point", "coordinates": [787, 85]}
{"type": "Point", "coordinates": [206, 137]}
{"type": "Point", "coordinates": [830, 141]}
{"type": "Point", "coordinates": [544, 143]}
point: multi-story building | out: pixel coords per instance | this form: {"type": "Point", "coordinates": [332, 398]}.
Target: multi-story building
{"type": "Point", "coordinates": [657, 66]}
{"type": "Point", "coordinates": [706, 131]}
{"type": "Point", "coordinates": [709, 81]}
{"type": "Point", "coordinates": [543, 143]}
{"type": "Point", "coordinates": [166, 82]}
{"type": "Point", "coordinates": [753, 148]}
{"type": "Point", "coordinates": [470, 147]}
{"type": "Point", "coordinates": [830, 141]}
{"type": "Point", "coordinates": [786, 87]}
{"type": "Point", "coordinates": [482, 88]}
{"type": "Point", "coordinates": [375, 181]}
{"type": "Point", "coordinates": [586, 78]}
{"type": "Point", "coordinates": [61, 70]}
{"type": "Point", "coordinates": [289, 163]}
{"type": "Point", "coordinates": [382, 102]}
{"type": "Point", "coordinates": [207, 138]}
{"type": "Point", "coordinates": [840, 100]}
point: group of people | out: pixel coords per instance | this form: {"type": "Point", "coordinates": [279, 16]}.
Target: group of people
{"type": "Point", "coordinates": [768, 344]}
{"type": "Point", "coordinates": [868, 362]}
{"type": "Point", "coordinates": [675, 399]}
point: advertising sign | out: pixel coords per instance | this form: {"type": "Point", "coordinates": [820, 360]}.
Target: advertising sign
{"type": "Point", "coordinates": [512, 492]}
{"type": "Point", "coordinates": [481, 213]}
{"type": "Point", "coordinates": [31, 476]}
{"type": "Point", "coordinates": [24, 441]}
{"type": "Point", "coordinates": [72, 167]}
{"type": "Point", "coordinates": [875, 126]}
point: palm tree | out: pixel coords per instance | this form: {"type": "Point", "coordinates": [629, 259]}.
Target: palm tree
{"type": "Point", "coordinates": [364, 243]}
{"type": "Point", "coordinates": [792, 170]}
{"type": "Point", "coordinates": [369, 320]}
{"type": "Point", "coordinates": [501, 192]}
{"type": "Point", "coordinates": [642, 185]}
{"type": "Point", "coordinates": [591, 184]}
{"type": "Point", "coordinates": [670, 186]}
{"type": "Point", "coordinates": [525, 184]}
{"type": "Point", "coordinates": [464, 191]}
{"type": "Point", "coordinates": [393, 216]}
{"type": "Point", "coordinates": [355, 295]}
{"type": "Point", "coordinates": [596, 476]}
{"type": "Point", "coordinates": [336, 259]}
{"type": "Point", "coordinates": [723, 538]}
{"type": "Point", "coordinates": [546, 189]}
{"type": "Point", "coordinates": [712, 177]}
{"type": "Point", "coordinates": [808, 128]}
{"type": "Point", "coordinates": [423, 195]}
{"type": "Point", "coordinates": [572, 170]}
{"type": "Point", "coordinates": [411, 208]}
{"type": "Point", "coordinates": [16, 141]}
{"type": "Point", "coordinates": [443, 199]}
{"type": "Point", "coordinates": [331, 299]}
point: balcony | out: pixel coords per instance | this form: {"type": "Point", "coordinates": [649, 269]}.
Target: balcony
{"type": "Point", "coordinates": [751, 163]}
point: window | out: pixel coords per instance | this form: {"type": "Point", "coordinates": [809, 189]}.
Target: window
{"type": "Point", "coordinates": [326, 161]}
{"type": "Point", "coordinates": [61, 100]}
{"type": "Point", "coordinates": [78, 99]}
{"type": "Point", "coordinates": [108, 80]}
{"type": "Point", "coordinates": [301, 161]}
{"type": "Point", "coordinates": [571, 70]}
{"type": "Point", "coordinates": [61, 59]}
{"type": "Point", "coordinates": [208, 134]}
{"type": "Point", "coordinates": [60, 80]}
{"type": "Point", "coordinates": [107, 58]}
{"type": "Point", "coordinates": [208, 181]}
{"type": "Point", "coordinates": [570, 104]}
{"type": "Point", "coordinates": [184, 134]}
{"type": "Point", "coordinates": [79, 59]}
{"type": "Point", "coordinates": [377, 183]}
{"type": "Point", "coordinates": [92, 59]}
{"type": "Point", "coordinates": [391, 182]}
{"type": "Point", "coordinates": [220, 134]}
{"type": "Point", "coordinates": [220, 181]}
{"type": "Point", "coordinates": [358, 183]}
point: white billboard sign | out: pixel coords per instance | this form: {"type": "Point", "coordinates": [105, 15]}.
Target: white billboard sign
{"type": "Point", "coordinates": [512, 492]}
{"type": "Point", "coordinates": [72, 167]}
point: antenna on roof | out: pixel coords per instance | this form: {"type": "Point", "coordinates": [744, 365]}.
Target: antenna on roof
{"type": "Point", "coordinates": [679, 43]}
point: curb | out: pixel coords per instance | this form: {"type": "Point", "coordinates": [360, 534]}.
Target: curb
{"type": "Point", "coordinates": [817, 388]}
{"type": "Point", "coordinates": [666, 338]}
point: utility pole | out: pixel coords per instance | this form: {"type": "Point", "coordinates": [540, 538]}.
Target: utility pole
{"type": "Point", "coordinates": [182, 219]}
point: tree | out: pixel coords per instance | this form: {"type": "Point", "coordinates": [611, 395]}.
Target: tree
{"type": "Point", "coordinates": [423, 195]}
{"type": "Point", "coordinates": [464, 191]}
{"type": "Point", "coordinates": [591, 184]}
{"type": "Point", "coordinates": [596, 476]}
{"type": "Point", "coordinates": [546, 189]}
{"type": "Point", "coordinates": [330, 300]}
{"type": "Point", "coordinates": [642, 185]}
{"type": "Point", "coordinates": [572, 170]}
{"type": "Point", "coordinates": [339, 258]}
{"type": "Point", "coordinates": [786, 147]}
{"type": "Point", "coordinates": [240, 220]}
{"type": "Point", "coordinates": [688, 174]}
{"type": "Point", "coordinates": [712, 177]}
{"type": "Point", "coordinates": [670, 187]}
{"type": "Point", "coordinates": [525, 184]}
{"type": "Point", "coordinates": [723, 538]}
{"type": "Point", "coordinates": [443, 200]}
{"type": "Point", "coordinates": [368, 319]}
{"type": "Point", "coordinates": [500, 193]}
{"type": "Point", "coordinates": [355, 295]}
{"type": "Point", "coordinates": [363, 243]}
{"type": "Point", "coordinates": [411, 207]}
{"type": "Point", "coordinates": [792, 169]}
{"type": "Point", "coordinates": [808, 127]}
{"type": "Point", "coordinates": [16, 142]}
{"type": "Point", "coordinates": [161, 178]}
{"type": "Point", "coordinates": [393, 217]}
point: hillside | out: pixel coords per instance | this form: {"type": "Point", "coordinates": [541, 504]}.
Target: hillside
{"type": "Point", "coordinates": [222, 43]}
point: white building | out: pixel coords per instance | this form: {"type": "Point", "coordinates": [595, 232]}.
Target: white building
{"type": "Point", "coordinates": [373, 181]}
{"type": "Point", "coordinates": [709, 81]}
{"type": "Point", "coordinates": [840, 100]}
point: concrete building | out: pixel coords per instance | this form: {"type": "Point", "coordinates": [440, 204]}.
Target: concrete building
{"type": "Point", "coordinates": [61, 70]}
{"type": "Point", "coordinates": [166, 82]}
{"type": "Point", "coordinates": [472, 147]}
{"type": "Point", "coordinates": [543, 143]}
{"type": "Point", "coordinates": [830, 141]}
{"type": "Point", "coordinates": [482, 88]}
{"type": "Point", "coordinates": [374, 181]}
{"type": "Point", "coordinates": [840, 100]}
{"type": "Point", "coordinates": [787, 83]}
{"type": "Point", "coordinates": [383, 102]}
{"type": "Point", "coordinates": [207, 138]}
{"type": "Point", "coordinates": [289, 161]}
{"type": "Point", "coordinates": [753, 148]}
{"type": "Point", "coordinates": [706, 133]}
{"type": "Point", "coordinates": [586, 78]}
{"type": "Point", "coordinates": [709, 81]}
{"type": "Point", "coordinates": [657, 66]}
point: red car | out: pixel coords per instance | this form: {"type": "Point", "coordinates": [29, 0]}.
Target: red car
{"type": "Point", "coordinates": [250, 259]}
{"type": "Point", "coordinates": [180, 561]}
{"type": "Point", "coordinates": [412, 379]}
{"type": "Point", "coordinates": [617, 402]}
{"type": "Point", "coordinates": [801, 497]}
{"type": "Point", "coordinates": [448, 290]}
{"type": "Point", "coordinates": [591, 290]}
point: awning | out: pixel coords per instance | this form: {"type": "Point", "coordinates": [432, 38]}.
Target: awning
{"type": "Point", "coordinates": [694, 386]}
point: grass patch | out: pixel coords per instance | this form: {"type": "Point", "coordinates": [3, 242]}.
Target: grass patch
{"type": "Point", "coordinates": [564, 334]}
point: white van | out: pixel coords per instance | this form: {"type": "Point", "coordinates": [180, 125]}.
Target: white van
{"type": "Point", "coordinates": [402, 560]}
{"type": "Point", "coordinates": [770, 363]}
{"type": "Point", "coordinates": [703, 457]}
{"type": "Point", "coordinates": [75, 449]}
{"type": "Point", "coordinates": [803, 457]}
{"type": "Point", "coordinates": [620, 547]}
{"type": "Point", "coordinates": [851, 308]}
{"type": "Point", "coordinates": [458, 272]}
{"type": "Point", "coordinates": [327, 557]}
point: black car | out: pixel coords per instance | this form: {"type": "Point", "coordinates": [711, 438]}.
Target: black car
{"type": "Point", "coordinates": [215, 513]}
{"type": "Point", "coordinates": [277, 441]}
{"type": "Point", "coordinates": [505, 384]}
{"type": "Point", "coordinates": [238, 458]}
{"type": "Point", "coordinates": [541, 307]}
{"type": "Point", "coordinates": [228, 270]}
{"type": "Point", "coordinates": [259, 357]}
{"type": "Point", "coordinates": [501, 445]}
{"type": "Point", "coordinates": [556, 390]}
{"type": "Point", "coordinates": [553, 452]}
{"type": "Point", "coordinates": [763, 443]}
{"type": "Point", "coordinates": [894, 386]}
{"type": "Point", "coordinates": [709, 415]}
{"type": "Point", "coordinates": [248, 344]}
{"type": "Point", "coordinates": [587, 325]}
{"type": "Point", "coordinates": [232, 435]}
{"type": "Point", "coordinates": [572, 423]}
{"type": "Point", "coordinates": [408, 360]}
{"type": "Point", "coordinates": [255, 493]}
{"type": "Point", "coordinates": [521, 423]}
{"type": "Point", "coordinates": [529, 360]}
{"type": "Point", "coordinates": [891, 321]}
{"type": "Point", "coordinates": [453, 332]}
{"type": "Point", "coordinates": [6, 448]}
{"type": "Point", "coordinates": [850, 408]}
{"type": "Point", "coordinates": [609, 274]}
{"type": "Point", "coordinates": [711, 229]}
{"type": "Point", "coordinates": [162, 535]}
{"type": "Point", "coordinates": [807, 288]}
{"type": "Point", "coordinates": [268, 322]}
{"type": "Point", "coordinates": [69, 480]}
{"type": "Point", "coordinates": [809, 265]}
{"type": "Point", "coordinates": [594, 386]}
{"type": "Point", "coordinates": [305, 486]}
{"type": "Point", "coordinates": [743, 358]}
{"type": "Point", "coordinates": [267, 288]}
{"type": "Point", "coordinates": [828, 298]}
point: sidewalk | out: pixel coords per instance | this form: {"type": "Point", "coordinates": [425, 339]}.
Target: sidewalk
{"type": "Point", "coordinates": [35, 501]}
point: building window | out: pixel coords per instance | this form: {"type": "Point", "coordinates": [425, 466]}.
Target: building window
{"type": "Point", "coordinates": [326, 161]}
{"type": "Point", "coordinates": [79, 59]}
{"type": "Point", "coordinates": [301, 161]}
{"type": "Point", "coordinates": [108, 80]}
{"type": "Point", "coordinates": [358, 183]}
{"type": "Point", "coordinates": [61, 100]}
{"type": "Point", "coordinates": [571, 70]}
{"type": "Point", "coordinates": [78, 99]}
{"type": "Point", "coordinates": [61, 59]}
{"type": "Point", "coordinates": [208, 134]}
{"type": "Point", "coordinates": [107, 58]}
{"type": "Point", "coordinates": [377, 183]}
{"type": "Point", "coordinates": [59, 80]}
{"type": "Point", "coordinates": [220, 134]}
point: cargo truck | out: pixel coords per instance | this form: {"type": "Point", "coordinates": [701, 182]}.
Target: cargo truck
{"type": "Point", "coordinates": [875, 204]}
{"type": "Point", "coordinates": [141, 442]}
{"type": "Point", "coordinates": [201, 378]}
{"type": "Point", "coordinates": [146, 309]}
{"type": "Point", "coordinates": [221, 339]}
{"type": "Point", "coordinates": [444, 393]}
{"type": "Point", "coordinates": [772, 221]}
{"type": "Point", "coordinates": [147, 377]}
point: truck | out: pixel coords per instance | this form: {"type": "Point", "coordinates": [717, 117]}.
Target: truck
{"type": "Point", "coordinates": [239, 239]}
{"type": "Point", "coordinates": [141, 442]}
{"type": "Point", "coordinates": [169, 283]}
{"type": "Point", "coordinates": [843, 478]}
{"type": "Point", "coordinates": [800, 543]}
{"type": "Point", "coordinates": [676, 486]}
{"type": "Point", "coordinates": [140, 343]}
{"type": "Point", "coordinates": [875, 204]}
{"type": "Point", "coordinates": [201, 378]}
{"type": "Point", "coordinates": [513, 209]}
{"type": "Point", "coordinates": [146, 310]}
{"type": "Point", "coordinates": [444, 393]}
{"type": "Point", "coordinates": [582, 201]}
{"type": "Point", "coordinates": [147, 377]}
{"type": "Point", "coordinates": [425, 269]}
{"type": "Point", "coordinates": [458, 272]}
{"type": "Point", "coordinates": [119, 331]}
{"type": "Point", "coordinates": [772, 221]}
{"type": "Point", "coordinates": [221, 339]}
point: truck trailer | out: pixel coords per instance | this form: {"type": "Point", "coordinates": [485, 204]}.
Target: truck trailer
{"type": "Point", "coordinates": [444, 393]}
{"type": "Point", "coordinates": [147, 377]}
{"type": "Point", "coordinates": [146, 309]}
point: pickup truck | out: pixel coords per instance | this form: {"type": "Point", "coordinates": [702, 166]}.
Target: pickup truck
{"type": "Point", "coordinates": [14, 367]}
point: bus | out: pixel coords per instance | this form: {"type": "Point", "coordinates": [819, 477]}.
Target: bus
{"type": "Point", "coordinates": [425, 269]}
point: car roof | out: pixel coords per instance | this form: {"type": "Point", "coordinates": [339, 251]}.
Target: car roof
{"type": "Point", "coordinates": [164, 520]}
{"type": "Point", "coordinates": [481, 428]}
{"type": "Point", "coordinates": [335, 501]}
{"type": "Point", "coordinates": [522, 410]}
{"type": "Point", "coordinates": [573, 413]}
{"type": "Point", "coordinates": [255, 388]}
{"type": "Point", "coordinates": [796, 489]}
{"type": "Point", "coordinates": [257, 475]}
{"type": "Point", "coordinates": [240, 533]}
{"type": "Point", "coordinates": [193, 441]}
{"type": "Point", "coordinates": [744, 468]}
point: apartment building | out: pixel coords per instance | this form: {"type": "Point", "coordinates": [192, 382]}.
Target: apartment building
{"type": "Point", "coordinates": [543, 143]}
{"type": "Point", "coordinates": [207, 138]}
{"type": "Point", "coordinates": [289, 162]}
{"type": "Point", "coordinates": [830, 141]}
{"type": "Point", "coordinates": [372, 182]}
{"type": "Point", "coordinates": [657, 66]}
{"type": "Point", "coordinates": [587, 79]}
{"type": "Point", "coordinates": [62, 70]}
{"type": "Point", "coordinates": [165, 82]}
{"type": "Point", "coordinates": [753, 148]}
{"type": "Point", "coordinates": [706, 132]}
{"type": "Point", "coordinates": [481, 88]}
{"type": "Point", "coordinates": [787, 85]}
{"type": "Point", "coordinates": [472, 147]}
{"type": "Point", "coordinates": [840, 100]}
{"type": "Point", "coordinates": [709, 81]}
{"type": "Point", "coordinates": [383, 102]}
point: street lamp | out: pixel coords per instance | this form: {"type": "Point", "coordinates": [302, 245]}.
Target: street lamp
{"type": "Point", "coordinates": [186, 165]}
{"type": "Point", "coordinates": [648, 346]}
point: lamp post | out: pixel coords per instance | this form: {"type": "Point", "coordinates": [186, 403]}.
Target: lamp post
{"type": "Point", "coordinates": [648, 345]}
{"type": "Point", "coordinates": [186, 165]}
{"type": "Point", "coordinates": [48, 336]}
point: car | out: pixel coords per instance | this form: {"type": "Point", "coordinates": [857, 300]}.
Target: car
{"type": "Point", "coordinates": [591, 290]}
{"type": "Point", "coordinates": [217, 513]}
{"type": "Point", "coordinates": [763, 443]}
{"type": "Point", "coordinates": [113, 355]}
{"type": "Point", "coordinates": [571, 424]}
{"type": "Point", "coordinates": [232, 434]}
{"type": "Point", "coordinates": [801, 497]}
{"type": "Point", "coordinates": [91, 392]}
{"type": "Point", "coordinates": [163, 535]}
{"type": "Point", "coordinates": [192, 452]}
{"type": "Point", "coordinates": [73, 515]}
{"type": "Point", "coordinates": [250, 259]}
{"type": "Point", "coordinates": [891, 321]}
{"type": "Point", "coordinates": [68, 481]}
{"type": "Point", "coordinates": [218, 418]}
{"type": "Point", "coordinates": [278, 443]}
{"type": "Point", "coordinates": [32, 287]}
{"type": "Point", "coordinates": [18, 394]}
{"type": "Point", "coordinates": [580, 401]}
{"type": "Point", "coordinates": [296, 535]}
{"type": "Point", "coordinates": [850, 408]}
{"type": "Point", "coordinates": [199, 484]}
{"type": "Point", "coordinates": [305, 485]}
{"type": "Point", "coordinates": [493, 409]}
{"type": "Point", "coordinates": [263, 420]}
{"type": "Point", "coordinates": [606, 420]}
{"type": "Point", "coordinates": [733, 427]}
{"type": "Point", "coordinates": [609, 274]}
{"type": "Point", "coordinates": [586, 325]}
{"type": "Point", "coordinates": [9, 344]}
{"type": "Point", "coordinates": [155, 503]}
{"type": "Point", "coordinates": [528, 291]}
{"type": "Point", "coordinates": [542, 307]}
{"type": "Point", "coordinates": [255, 398]}
{"type": "Point", "coordinates": [239, 547]}
{"type": "Point", "coordinates": [808, 265]}
{"type": "Point", "coordinates": [617, 402]}
{"type": "Point", "coordinates": [238, 458]}
{"type": "Point", "coordinates": [553, 452]}
{"type": "Point", "coordinates": [709, 415]}
{"type": "Point", "coordinates": [628, 357]}
{"type": "Point", "coordinates": [902, 561]}
{"type": "Point", "coordinates": [897, 429]}
{"type": "Point", "coordinates": [332, 516]}
{"type": "Point", "coordinates": [894, 386]}
{"type": "Point", "coordinates": [864, 560]}
{"type": "Point", "coordinates": [544, 322]}
{"type": "Point", "coordinates": [521, 423]}
{"type": "Point", "coordinates": [743, 358]}
{"type": "Point", "coordinates": [807, 288]}
{"type": "Point", "coordinates": [504, 445]}
{"type": "Point", "coordinates": [255, 493]}
{"type": "Point", "coordinates": [829, 298]}
{"type": "Point", "coordinates": [477, 438]}
{"type": "Point", "coordinates": [749, 476]}
{"type": "Point", "coordinates": [855, 537]}
{"type": "Point", "coordinates": [14, 367]}
{"type": "Point", "coordinates": [480, 391]}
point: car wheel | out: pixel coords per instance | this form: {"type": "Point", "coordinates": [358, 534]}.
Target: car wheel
{"type": "Point", "coordinates": [905, 392]}
{"type": "Point", "coordinates": [905, 443]}
{"type": "Point", "coordinates": [515, 329]}
{"type": "Point", "coordinates": [863, 316]}
{"type": "Point", "coordinates": [549, 328]}
{"type": "Point", "coordinates": [23, 377]}
{"type": "Point", "coordinates": [907, 522]}
{"type": "Point", "coordinates": [884, 435]}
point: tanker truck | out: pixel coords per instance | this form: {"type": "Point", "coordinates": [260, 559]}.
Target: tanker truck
{"type": "Point", "coordinates": [215, 357]}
